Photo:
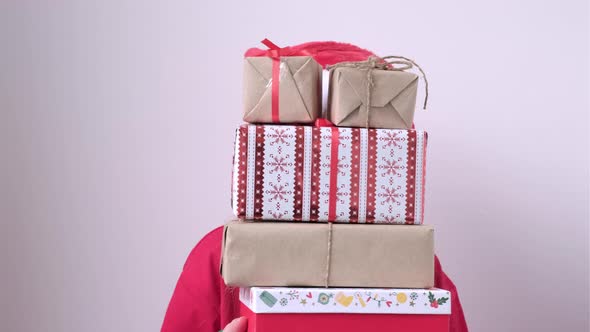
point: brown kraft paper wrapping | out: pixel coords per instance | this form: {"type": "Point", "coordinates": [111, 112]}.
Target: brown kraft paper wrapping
{"type": "Point", "coordinates": [299, 90]}
{"type": "Point", "coordinates": [296, 255]}
{"type": "Point", "coordinates": [393, 98]}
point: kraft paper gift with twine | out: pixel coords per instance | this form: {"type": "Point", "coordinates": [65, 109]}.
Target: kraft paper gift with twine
{"type": "Point", "coordinates": [376, 93]}
{"type": "Point", "coordinates": [328, 255]}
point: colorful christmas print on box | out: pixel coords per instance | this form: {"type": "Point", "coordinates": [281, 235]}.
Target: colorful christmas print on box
{"type": "Point", "coordinates": [346, 300]}
{"type": "Point", "coordinates": [304, 173]}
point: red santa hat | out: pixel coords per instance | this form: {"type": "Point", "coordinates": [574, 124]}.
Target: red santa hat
{"type": "Point", "coordinates": [326, 53]}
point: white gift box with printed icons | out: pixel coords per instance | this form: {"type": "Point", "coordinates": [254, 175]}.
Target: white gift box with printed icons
{"type": "Point", "coordinates": [346, 300]}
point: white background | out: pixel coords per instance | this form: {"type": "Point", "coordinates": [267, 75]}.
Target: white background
{"type": "Point", "coordinates": [116, 132]}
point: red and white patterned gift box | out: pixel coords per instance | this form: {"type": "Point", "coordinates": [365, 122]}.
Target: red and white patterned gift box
{"type": "Point", "coordinates": [304, 173]}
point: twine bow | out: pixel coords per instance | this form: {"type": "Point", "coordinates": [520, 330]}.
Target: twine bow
{"type": "Point", "coordinates": [378, 63]}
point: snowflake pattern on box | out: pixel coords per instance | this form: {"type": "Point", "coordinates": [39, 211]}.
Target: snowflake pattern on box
{"type": "Point", "coordinates": [347, 300]}
{"type": "Point", "coordinates": [291, 173]}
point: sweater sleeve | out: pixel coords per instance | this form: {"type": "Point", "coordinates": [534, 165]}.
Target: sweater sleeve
{"type": "Point", "coordinates": [195, 303]}
{"type": "Point", "coordinates": [441, 280]}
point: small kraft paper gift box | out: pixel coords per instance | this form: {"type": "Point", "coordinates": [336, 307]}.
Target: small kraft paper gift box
{"type": "Point", "coordinates": [327, 255]}
{"type": "Point", "coordinates": [345, 175]}
{"type": "Point", "coordinates": [345, 309]}
{"type": "Point", "coordinates": [282, 87]}
{"type": "Point", "coordinates": [374, 93]}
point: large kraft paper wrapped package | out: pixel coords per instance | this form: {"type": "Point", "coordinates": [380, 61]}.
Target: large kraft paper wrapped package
{"type": "Point", "coordinates": [308, 254]}
{"type": "Point", "coordinates": [296, 93]}
{"type": "Point", "coordinates": [388, 102]}
{"type": "Point", "coordinates": [344, 175]}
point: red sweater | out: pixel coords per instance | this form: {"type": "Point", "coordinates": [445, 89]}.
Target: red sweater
{"type": "Point", "coordinates": [203, 303]}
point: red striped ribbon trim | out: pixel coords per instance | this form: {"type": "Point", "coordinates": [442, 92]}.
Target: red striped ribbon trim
{"type": "Point", "coordinates": [354, 172]}
{"type": "Point", "coordinates": [259, 175]}
{"type": "Point", "coordinates": [242, 168]}
{"type": "Point", "coordinates": [333, 174]}
{"type": "Point", "coordinates": [411, 180]}
{"type": "Point", "coordinates": [371, 175]}
{"type": "Point", "coordinates": [315, 174]}
{"type": "Point", "coordinates": [299, 152]}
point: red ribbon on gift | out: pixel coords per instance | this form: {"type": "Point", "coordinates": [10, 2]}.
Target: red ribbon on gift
{"type": "Point", "coordinates": [275, 53]}
{"type": "Point", "coordinates": [321, 122]}
{"type": "Point", "coordinates": [333, 166]}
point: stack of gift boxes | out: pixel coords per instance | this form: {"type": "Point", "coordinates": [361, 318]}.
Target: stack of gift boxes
{"type": "Point", "coordinates": [330, 233]}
